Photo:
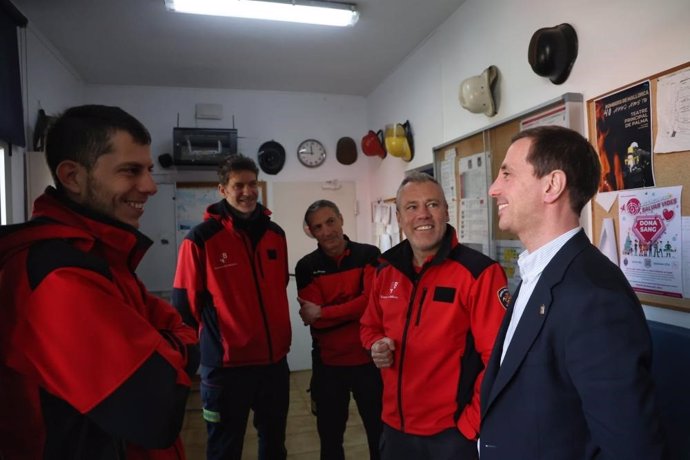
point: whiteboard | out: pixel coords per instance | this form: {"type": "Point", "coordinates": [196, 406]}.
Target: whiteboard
{"type": "Point", "coordinates": [192, 200]}
{"type": "Point", "coordinates": [157, 269]}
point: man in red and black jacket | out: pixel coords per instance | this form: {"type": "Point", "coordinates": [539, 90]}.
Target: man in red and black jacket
{"type": "Point", "coordinates": [432, 318]}
{"type": "Point", "coordinates": [231, 282]}
{"type": "Point", "coordinates": [91, 365]}
{"type": "Point", "coordinates": [333, 285]}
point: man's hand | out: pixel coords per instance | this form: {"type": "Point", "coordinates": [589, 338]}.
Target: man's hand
{"type": "Point", "coordinates": [309, 311]}
{"type": "Point", "coordinates": [382, 352]}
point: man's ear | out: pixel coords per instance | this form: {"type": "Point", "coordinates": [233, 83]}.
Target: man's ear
{"type": "Point", "coordinates": [556, 183]}
{"type": "Point", "coordinates": [72, 176]}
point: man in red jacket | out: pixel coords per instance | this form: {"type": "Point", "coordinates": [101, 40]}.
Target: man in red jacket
{"type": "Point", "coordinates": [91, 365]}
{"type": "Point", "coordinates": [433, 314]}
{"type": "Point", "coordinates": [333, 285]}
{"type": "Point", "coordinates": [231, 281]}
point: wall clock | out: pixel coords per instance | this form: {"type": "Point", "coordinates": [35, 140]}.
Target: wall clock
{"type": "Point", "coordinates": [311, 153]}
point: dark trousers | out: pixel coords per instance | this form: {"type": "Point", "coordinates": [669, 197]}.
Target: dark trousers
{"type": "Point", "coordinates": [229, 393]}
{"type": "Point", "coordinates": [331, 387]}
{"type": "Point", "coordinates": [449, 444]}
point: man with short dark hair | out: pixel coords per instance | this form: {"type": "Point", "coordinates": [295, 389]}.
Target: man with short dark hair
{"type": "Point", "coordinates": [333, 284]}
{"type": "Point", "coordinates": [569, 378]}
{"type": "Point", "coordinates": [231, 281]}
{"type": "Point", "coordinates": [430, 324]}
{"type": "Point", "coordinates": [91, 365]}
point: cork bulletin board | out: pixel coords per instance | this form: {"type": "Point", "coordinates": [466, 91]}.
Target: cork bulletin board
{"type": "Point", "coordinates": [566, 110]}
{"type": "Point", "coordinates": [669, 169]}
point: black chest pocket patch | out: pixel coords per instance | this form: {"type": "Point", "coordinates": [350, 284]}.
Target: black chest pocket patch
{"type": "Point", "coordinates": [444, 294]}
{"type": "Point", "coordinates": [272, 254]}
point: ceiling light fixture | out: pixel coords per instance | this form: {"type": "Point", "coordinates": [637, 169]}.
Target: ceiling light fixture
{"type": "Point", "coordinates": [303, 11]}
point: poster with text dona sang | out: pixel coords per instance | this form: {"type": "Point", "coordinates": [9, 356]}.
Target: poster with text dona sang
{"type": "Point", "coordinates": [650, 240]}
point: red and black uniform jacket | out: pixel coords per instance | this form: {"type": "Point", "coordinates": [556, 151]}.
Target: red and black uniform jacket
{"type": "Point", "coordinates": [231, 282]}
{"type": "Point", "coordinates": [91, 365]}
{"type": "Point", "coordinates": [443, 319]}
{"type": "Point", "coordinates": [341, 286]}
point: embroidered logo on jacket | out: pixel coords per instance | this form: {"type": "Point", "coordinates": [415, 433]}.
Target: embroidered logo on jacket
{"type": "Point", "coordinates": [504, 297]}
{"type": "Point", "coordinates": [223, 261]}
{"type": "Point", "coordinates": [391, 289]}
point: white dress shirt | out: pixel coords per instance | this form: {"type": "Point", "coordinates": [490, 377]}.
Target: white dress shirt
{"type": "Point", "coordinates": [531, 266]}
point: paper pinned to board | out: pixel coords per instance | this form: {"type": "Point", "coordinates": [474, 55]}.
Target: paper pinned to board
{"type": "Point", "coordinates": [606, 199]}
{"type": "Point", "coordinates": [382, 213]}
{"type": "Point", "coordinates": [607, 241]}
{"type": "Point", "coordinates": [672, 106]}
{"type": "Point", "coordinates": [385, 242]}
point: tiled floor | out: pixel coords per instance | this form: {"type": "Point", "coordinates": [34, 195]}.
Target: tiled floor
{"type": "Point", "coordinates": [302, 439]}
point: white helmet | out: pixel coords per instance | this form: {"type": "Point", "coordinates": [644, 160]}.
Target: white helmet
{"type": "Point", "coordinates": [476, 93]}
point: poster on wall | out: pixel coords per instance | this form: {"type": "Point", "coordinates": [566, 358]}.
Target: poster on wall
{"type": "Point", "coordinates": [624, 139]}
{"type": "Point", "coordinates": [651, 240]}
{"type": "Point", "coordinates": [507, 254]}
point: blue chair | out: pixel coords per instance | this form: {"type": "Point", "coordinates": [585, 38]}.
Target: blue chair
{"type": "Point", "coordinates": [671, 373]}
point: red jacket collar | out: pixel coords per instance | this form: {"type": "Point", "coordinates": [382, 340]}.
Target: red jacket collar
{"type": "Point", "coordinates": [117, 240]}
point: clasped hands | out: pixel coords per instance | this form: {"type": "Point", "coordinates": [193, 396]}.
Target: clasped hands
{"type": "Point", "coordinates": [382, 352]}
{"type": "Point", "coordinates": [309, 311]}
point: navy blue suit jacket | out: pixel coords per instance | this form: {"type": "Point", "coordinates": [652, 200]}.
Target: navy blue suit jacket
{"type": "Point", "coordinates": [575, 382]}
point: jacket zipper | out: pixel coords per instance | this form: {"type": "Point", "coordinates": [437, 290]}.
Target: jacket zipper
{"type": "Point", "coordinates": [421, 304]}
{"type": "Point", "coordinates": [253, 256]}
{"type": "Point", "coordinates": [403, 347]}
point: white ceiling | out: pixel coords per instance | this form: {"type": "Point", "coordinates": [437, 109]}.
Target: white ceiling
{"type": "Point", "coordinates": [138, 42]}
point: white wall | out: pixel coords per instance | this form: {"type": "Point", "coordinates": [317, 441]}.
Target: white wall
{"type": "Point", "coordinates": [288, 118]}
{"type": "Point", "coordinates": [620, 41]}
{"type": "Point", "coordinates": [49, 83]}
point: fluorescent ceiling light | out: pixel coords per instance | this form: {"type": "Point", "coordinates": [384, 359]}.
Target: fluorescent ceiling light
{"type": "Point", "coordinates": [307, 12]}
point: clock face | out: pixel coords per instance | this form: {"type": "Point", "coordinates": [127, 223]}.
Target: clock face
{"type": "Point", "coordinates": [311, 153]}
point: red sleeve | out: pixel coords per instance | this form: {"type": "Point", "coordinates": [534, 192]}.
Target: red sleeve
{"type": "Point", "coordinates": [312, 293]}
{"type": "Point", "coordinates": [168, 322]}
{"type": "Point", "coordinates": [487, 302]}
{"type": "Point", "coordinates": [353, 308]}
{"type": "Point", "coordinates": [80, 340]}
{"type": "Point", "coordinates": [189, 281]}
{"type": "Point", "coordinates": [287, 267]}
{"type": "Point", "coordinates": [163, 316]}
{"type": "Point", "coordinates": [371, 322]}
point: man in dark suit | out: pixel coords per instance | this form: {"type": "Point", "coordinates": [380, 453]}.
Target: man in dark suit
{"type": "Point", "coordinates": [569, 376]}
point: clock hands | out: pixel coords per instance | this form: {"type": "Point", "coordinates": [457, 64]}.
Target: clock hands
{"type": "Point", "coordinates": [311, 153]}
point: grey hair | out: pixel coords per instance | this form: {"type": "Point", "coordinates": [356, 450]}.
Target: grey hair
{"type": "Point", "coordinates": [417, 177]}
{"type": "Point", "coordinates": [318, 204]}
